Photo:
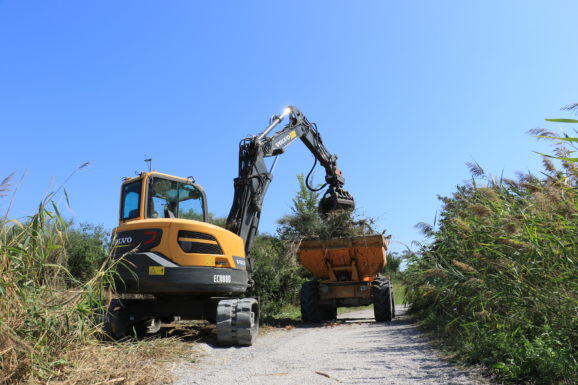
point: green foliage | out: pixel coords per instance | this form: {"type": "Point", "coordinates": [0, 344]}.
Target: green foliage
{"type": "Point", "coordinates": [499, 279]}
{"type": "Point", "coordinates": [393, 263]}
{"type": "Point", "coordinates": [86, 249]}
{"type": "Point", "coordinates": [41, 318]}
{"type": "Point", "coordinates": [399, 292]}
{"type": "Point", "coordinates": [305, 221]}
{"type": "Point", "coordinates": [217, 221]}
{"type": "Point", "coordinates": [277, 275]}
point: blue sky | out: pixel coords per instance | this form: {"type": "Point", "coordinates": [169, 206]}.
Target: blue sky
{"type": "Point", "coordinates": [404, 92]}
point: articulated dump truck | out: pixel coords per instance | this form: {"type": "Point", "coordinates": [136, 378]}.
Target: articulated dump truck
{"type": "Point", "coordinates": [348, 274]}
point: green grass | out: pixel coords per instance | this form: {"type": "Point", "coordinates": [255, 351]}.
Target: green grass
{"type": "Point", "coordinates": [288, 312]}
{"type": "Point", "coordinates": [399, 292]}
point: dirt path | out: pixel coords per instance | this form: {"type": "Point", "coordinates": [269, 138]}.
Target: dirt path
{"type": "Point", "coordinates": [355, 351]}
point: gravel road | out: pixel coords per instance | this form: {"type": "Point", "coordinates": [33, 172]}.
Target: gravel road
{"type": "Point", "coordinates": [355, 350]}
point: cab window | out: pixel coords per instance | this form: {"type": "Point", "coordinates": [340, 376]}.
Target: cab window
{"type": "Point", "coordinates": [173, 199]}
{"type": "Point", "coordinates": [130, 200]}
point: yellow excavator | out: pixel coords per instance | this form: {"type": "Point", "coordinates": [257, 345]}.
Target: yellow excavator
{"type": "Point", "coordinates": [173, 263]}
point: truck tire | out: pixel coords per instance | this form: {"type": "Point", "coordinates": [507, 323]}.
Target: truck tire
{"type": "Point", "coordinates": [328, 313]}
{"type": "Point", "coordinates": [382, 308]}
{"type": "Point", "coordinates": [392, 301]}
{"type": "Point", "coordinates": [310, 311]}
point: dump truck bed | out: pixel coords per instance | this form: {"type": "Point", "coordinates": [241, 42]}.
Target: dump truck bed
{"type": "Point", "coordinates": [345, 259]}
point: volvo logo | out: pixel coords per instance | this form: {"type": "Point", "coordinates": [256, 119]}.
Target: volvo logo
{"type": "Point", "coordinates": [124, 241]}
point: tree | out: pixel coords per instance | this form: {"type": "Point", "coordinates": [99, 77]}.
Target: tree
{"type": "Point", "coordinates": [304, 221]}
{"type": "Point", "coordinates": [86, 249]}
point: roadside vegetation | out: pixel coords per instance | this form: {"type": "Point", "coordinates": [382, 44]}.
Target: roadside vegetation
{"type": "Point", "coordinates": [52, 285]}
{"type": "Point", "coordinates": [498, 280]}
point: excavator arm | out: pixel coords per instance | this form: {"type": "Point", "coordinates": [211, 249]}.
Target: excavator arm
{"type": "Point", "coordinates": [254, 176]}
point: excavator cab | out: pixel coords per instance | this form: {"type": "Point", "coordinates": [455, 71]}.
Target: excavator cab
{"type": "Point", "coordinates": [155, 195]}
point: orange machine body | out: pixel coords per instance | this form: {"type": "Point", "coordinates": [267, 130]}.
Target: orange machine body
{"type": "Point", "coordinates": [345, 267]}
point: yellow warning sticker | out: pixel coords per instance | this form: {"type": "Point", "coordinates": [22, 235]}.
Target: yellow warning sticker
{"type": "Point", "coordinates": [209, 260]}
{"type": "Point", "coordinates": [156, 270]}
{"type": "Point", "coordinates": [293, 134]}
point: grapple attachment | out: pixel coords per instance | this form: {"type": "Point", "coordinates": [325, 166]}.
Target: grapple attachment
{"type": "Point", "coordinates": [336, 199]}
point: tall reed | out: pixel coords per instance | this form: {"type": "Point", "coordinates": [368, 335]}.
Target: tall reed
{"type": "Point", "coordinates": [499, 278]}
{"type": "Point", "coordinates": [41, 316]}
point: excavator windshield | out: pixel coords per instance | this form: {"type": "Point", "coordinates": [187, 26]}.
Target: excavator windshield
{"type": "Point", "coordinates": [168, 198]}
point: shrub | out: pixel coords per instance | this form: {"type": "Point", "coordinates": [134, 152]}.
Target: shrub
{"type": "Point", "coordinates": [277, 275]}
{"type": "Point", "coordinates": [86, 249]}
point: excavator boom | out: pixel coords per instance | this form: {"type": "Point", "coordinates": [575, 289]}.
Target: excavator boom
{"type": "Point", "coordinates": [254, 176]}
